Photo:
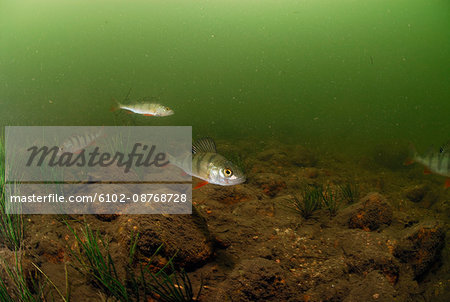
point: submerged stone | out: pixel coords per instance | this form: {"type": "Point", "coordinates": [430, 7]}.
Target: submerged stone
{"type": "Point", "coordinates": [420, 247]}
{"type": "Point", "coordinates": [372, 212]}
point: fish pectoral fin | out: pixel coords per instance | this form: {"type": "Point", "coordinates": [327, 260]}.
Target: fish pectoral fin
{"type": "Point", "coordinates": [447, 183]}
{"type": "Point", "coordinates": [201, 184]}
{"type": "Point", "coordinates": [148, 114]}
{"type": "Point", "coordinates": [426, 171]}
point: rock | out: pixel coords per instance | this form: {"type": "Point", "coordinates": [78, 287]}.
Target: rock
{"type": "Point", "coordinates": [369, 214]}
{"type": "Point", "coordinates": [312, 172]}
{"type": "Point", "coordinates": [366, 252]}
{"type": "Point", "coordinates": [416, 193]}
{"type": "Point", "coordinates": [271, 184]}
{"type": "Point", "coordinates": [421, 247]}
{"type": "Point", "coordinates": [187, 236]}
{"type": "Point", "coordinates": [375, 287]}
{"type": "Point", "coordinates": [256, 279]}
{"type": "Point", "coordinates": [302, 157]}
{"type": "Point", "coordinates": [443, 206]}
{"type": "Point", "coordinates": [274, 156]}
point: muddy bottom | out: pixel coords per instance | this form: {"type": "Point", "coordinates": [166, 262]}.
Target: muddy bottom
{"type": "Point", "coordinates": [251, 243]}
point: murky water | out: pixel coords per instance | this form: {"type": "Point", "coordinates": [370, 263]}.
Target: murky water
{"type": "Point", "coordinates": [325, 71]}
{"type": "Point", "coordinates": [362, 78]}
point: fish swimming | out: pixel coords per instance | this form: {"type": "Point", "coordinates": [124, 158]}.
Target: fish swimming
{"type": "Point", "coordinates": [434, 162]}
{"type": "Point", "coordinates": [146, 109]}
{"type": "Point", "coordinates": [75, 144]}
{"type": "Point", "coordinates": [209, 166]}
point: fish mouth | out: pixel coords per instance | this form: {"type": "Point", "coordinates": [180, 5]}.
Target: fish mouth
{"type": "Point", "coordinates": [237, 181]}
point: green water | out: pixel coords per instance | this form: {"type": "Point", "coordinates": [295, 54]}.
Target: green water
{"type": "Point", "coordinates": [340, 73]}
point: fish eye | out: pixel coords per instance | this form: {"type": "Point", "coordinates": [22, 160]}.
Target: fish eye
{"type": "Point", "coordinates": [167, 108]}
{"type": "Point", "coordinates": [228, 172]}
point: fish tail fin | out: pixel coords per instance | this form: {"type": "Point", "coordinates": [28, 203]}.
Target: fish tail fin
{"type": "Point", "coordinates": [170, 163]}
{"type": "Point", "coordinates": [180, 164]}
{"type": "Point", "coordinates": [170, 158]}
{"type": "Point", "coordinates": [412, 155]}
{"type": "Point", "coordinates": [412, 150]}
{"type": "Point", "coordinates": [116, 105]}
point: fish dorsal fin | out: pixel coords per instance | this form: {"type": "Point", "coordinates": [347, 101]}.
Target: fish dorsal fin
{"type": "Point", "coordinates": [205, 144]}
{"type": "Point", "coordinates": [445, 147]}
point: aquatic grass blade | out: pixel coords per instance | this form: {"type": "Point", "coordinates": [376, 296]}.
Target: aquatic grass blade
{"type": "Point", "coordinates": [330, 201]}
{"type": "Point", "coordinates": [96, 262]}
{"type": "Point", "coordinates": [309, 202]}
{"type": "Point", "coordinates": [11, 225]}
{"type": "Point", "coordinates": [350, 192]}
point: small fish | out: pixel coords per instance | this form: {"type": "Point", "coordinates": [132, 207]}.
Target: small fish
{"type": "Point", "coordinates": [209, 166]}
{"type": "Point", "coordinates": [147, 109]}
{"type": "Point", "coordinates": [434, 162]}
{"type": "Point", "coordinates": [75, 144]}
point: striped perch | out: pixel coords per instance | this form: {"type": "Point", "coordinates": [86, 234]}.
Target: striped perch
{"type": "Point", "coordinates": [209, 166]}
{"type": "Point", "coordinates": [434, 162]}
{"type": "Point", "coordinates": [75, 144]}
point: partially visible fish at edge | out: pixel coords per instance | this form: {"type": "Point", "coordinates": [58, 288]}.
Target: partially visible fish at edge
{"type": "Point", "coordinates": [434, 162]}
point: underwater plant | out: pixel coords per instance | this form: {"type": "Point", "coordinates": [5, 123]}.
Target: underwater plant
{"type": "Point", "coordinates": [24, 286]}
{"type": "Point", "coordinates": [11, 225]}
{"type": "Point", "coordinates": [330, 201]}
{"type": "Point", "coordinates": [309, 202]}
{"type": "Point", "coordinates": [94, 260]}
{"type": "Point", "coordinates": [23, 289]}
{"type": "Point", "coordinates": [172, 286]}
{"type": "Point", "coordinates": [350, 192]}
{"type": "Point", "coordinates": [4, 294]}
{"type": "Point", "coordinates": [67, 297]}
